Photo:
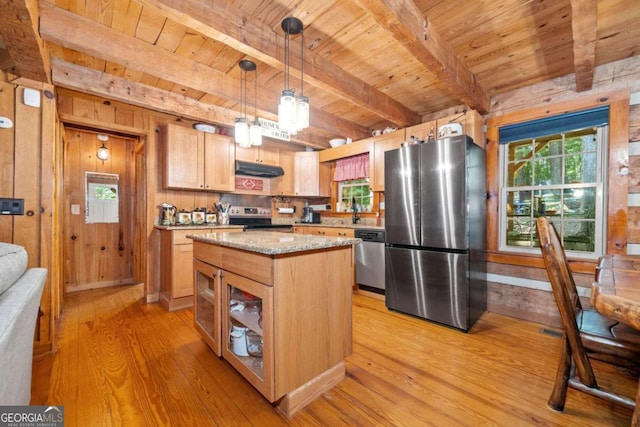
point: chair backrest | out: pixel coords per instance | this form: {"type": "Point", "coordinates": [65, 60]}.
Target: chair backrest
{"type": "Point", "coordinates": [564, 292]}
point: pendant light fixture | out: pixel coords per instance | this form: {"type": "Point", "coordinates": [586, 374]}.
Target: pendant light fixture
{"type": "Point", "coordinates": [293, 111]}
{"type": "Point", "coordinates": [242, 133]}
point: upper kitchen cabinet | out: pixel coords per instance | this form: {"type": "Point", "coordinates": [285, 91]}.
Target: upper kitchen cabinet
{"type": "Point", "coordinates": [284, 185]}
{"type": "Point", "coordinates": [380, 145]}
{"type": "Point", "coordinates": [311, 178]}
{"type": "Point", "coordinates": [259, 154]}
{"type": "Point", "coordinates": [198, 160]}
{"type": "Point", "coordinates": [471, 121]}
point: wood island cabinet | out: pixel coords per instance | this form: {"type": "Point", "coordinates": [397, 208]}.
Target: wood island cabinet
{"type": "Point", "coordinates": [279, 301]}
{"type": "Point", "coordinates": [198, 160]}
{"type": "Point", "coordinates": [324, 231]}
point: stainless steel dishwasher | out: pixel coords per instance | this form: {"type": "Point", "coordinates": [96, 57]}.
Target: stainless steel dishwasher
{"type": "Point", "coordinates": [370, 260]}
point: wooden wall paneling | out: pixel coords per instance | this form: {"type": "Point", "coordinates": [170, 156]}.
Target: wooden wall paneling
{"type": "Point", "coordinates": [7, 165]}
{"type": "Point", "coordinates": [27, 177]}
{"type": "Point", "coordinates": [71, 196]}
{"type": "Point", "coordinates": [58, 216]}
{"type": "Point", "coordinates": [49, 244]}
{"type": "Point", "coordinates": [155, 196]}
{"type": "Point", "coordinates": [634, 123]}
{"type": "Point", "coordinates": [618, 154]}
{"type": "Point", "coordinates": [140, 235]}
{"type": "Point", "coordinates": [124, 116]}
{"type": "Point", "coordinates": [82, 107]}
{"type": "Point", "coordinates": [633, 222]}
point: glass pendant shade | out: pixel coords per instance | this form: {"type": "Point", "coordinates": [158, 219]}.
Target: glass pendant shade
{"type": "Point", "coordinates": [242, 132]}
{"type": "Point", "coordinates": [255, 133]}
{"type": "Point", "coordinates": [287, 112]}
{"type": "Point", "coordinates": [302, 112]}
{"type": "Point", "coordinates": [103, 153]}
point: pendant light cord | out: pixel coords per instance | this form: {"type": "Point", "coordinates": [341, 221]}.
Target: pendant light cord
{"type": "Point", "coordinates": [286, 56]}
{"type": "Point", "coordinates": [302, 62]}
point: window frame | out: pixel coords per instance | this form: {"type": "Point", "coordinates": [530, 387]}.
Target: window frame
{"type": "Point", "coordinates": [600, 186]}
{"type": "Point", "coordinates": [616, 203]}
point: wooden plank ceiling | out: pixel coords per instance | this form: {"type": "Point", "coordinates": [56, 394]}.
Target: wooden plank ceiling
{"type": "Point", "coordinates": [369, 64]}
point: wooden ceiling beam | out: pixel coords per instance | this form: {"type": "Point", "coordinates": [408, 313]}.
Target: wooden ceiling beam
{"type": "Point", "coordinates": [19, 31]}
{"type": "Point", "coordinates": [97, 83]}
{"type": "Point", "coordinates": [406, 22]}
{"type": "Point", "coordinates": [75, 32]}
{"type": "Point", "coordinates": [584, 26]}
{"type": "Point", "coordinates": [227, 24]}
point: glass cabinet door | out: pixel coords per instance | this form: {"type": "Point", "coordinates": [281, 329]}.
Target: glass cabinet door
{"type": "Point", "coordinates": [207, 304]}
{"type": "Point", "coordinates": [247, 317]}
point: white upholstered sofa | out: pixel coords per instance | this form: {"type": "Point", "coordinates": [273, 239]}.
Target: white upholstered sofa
{"type": "Point", "coordinates": [20, 292]}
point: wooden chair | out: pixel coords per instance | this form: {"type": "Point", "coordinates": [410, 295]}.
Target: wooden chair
{"type": "Point", "coordinates": [587, 334]}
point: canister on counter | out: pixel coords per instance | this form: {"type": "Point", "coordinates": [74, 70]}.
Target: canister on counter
{"type": "Point", "coordinates": [184, 217]}
{"type": "Point", "coordinates": [211, 218]}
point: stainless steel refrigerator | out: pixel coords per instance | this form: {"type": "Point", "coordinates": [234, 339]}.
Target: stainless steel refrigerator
{"type": "Point", "coordinates": [435, 224]}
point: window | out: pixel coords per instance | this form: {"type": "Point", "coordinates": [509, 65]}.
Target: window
{"type": "Point", "coordinates": [357, 189]}
{"type": "Point", "coordinates": [559, 176]}
{"type": "Point", "coordinates": [102, 198]}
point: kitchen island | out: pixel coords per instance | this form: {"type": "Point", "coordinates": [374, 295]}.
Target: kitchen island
{"type": "Point", "coordinates": [277, 307]}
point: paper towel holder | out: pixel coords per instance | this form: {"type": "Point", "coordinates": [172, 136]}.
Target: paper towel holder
{"type": "Point", "coordinates": [289, 210]}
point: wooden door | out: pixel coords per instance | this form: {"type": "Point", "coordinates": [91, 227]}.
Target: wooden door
{"type": "Point", "coordinates": [97, 254]}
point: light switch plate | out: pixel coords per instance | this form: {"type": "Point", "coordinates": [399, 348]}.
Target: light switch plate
{"type": "Point", "coordinates": [75, 209]}
{"type": "Point", "coordinates": [31, 97]}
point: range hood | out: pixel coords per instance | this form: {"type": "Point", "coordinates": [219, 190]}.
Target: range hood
{"type": "Point", "coordinates": [258, 169]}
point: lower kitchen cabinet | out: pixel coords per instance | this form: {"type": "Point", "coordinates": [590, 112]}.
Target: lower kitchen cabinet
{"type": "Point", "coordinates": [248, 322]}
{"type": "Point", "coordinates": [207, 300]}
{"type": "Point", "coordinates": [324, 231]}
{"type": "Point", "coordinates": [176, 267]}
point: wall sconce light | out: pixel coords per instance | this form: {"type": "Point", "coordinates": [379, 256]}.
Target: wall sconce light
{"type": "Point", "coordinates": [293, 111]}
{"type": "Point", "coordinates": [103, 152]}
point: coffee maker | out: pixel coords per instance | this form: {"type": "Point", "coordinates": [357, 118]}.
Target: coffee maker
{"type": "Point", "coordinates": [307, 215]}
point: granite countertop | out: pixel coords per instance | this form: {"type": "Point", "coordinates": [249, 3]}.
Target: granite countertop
{"type": "Point", "coordinates": [273, 243]}
{"type": "Point", "coordinates": [196, 227]}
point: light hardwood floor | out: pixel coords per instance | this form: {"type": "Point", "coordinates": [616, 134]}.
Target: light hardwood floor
{"type": "Point", "coordinates": [121, 362]}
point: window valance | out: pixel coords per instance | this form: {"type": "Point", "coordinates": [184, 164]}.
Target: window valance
{"type": "Point", "coordinates": [354, 167]}
{"type": "Point", "coordinates": [556, 124]}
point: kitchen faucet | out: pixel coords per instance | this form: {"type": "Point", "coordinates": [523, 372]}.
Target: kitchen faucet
{"type": "Point", "coordinates": [354, 217]}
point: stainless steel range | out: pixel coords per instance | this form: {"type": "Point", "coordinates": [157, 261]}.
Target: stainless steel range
{"type": "Point", "coordinates": [255, 219]}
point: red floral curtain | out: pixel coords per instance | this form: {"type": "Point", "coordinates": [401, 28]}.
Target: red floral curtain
{"type": "Point", "coordinates": [355, 167]}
